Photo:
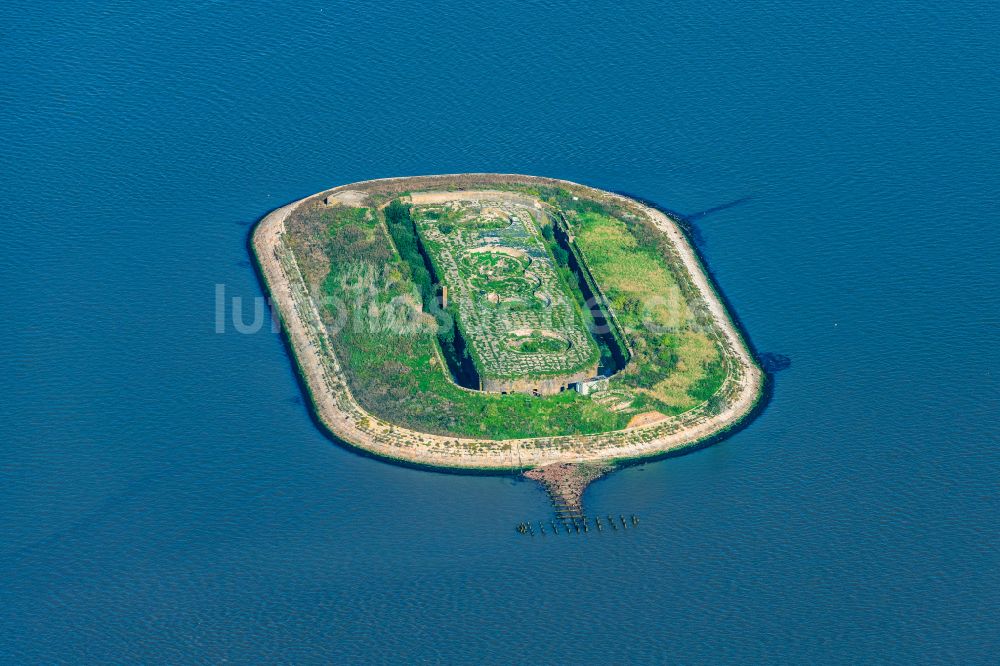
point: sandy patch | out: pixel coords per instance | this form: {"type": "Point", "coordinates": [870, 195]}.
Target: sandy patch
{"type": "Point", "coordinates": [352, 198]}
{"type": "Point", "coordinates": [645, 419]}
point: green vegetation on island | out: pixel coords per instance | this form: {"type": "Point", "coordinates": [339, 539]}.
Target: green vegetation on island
{"type": "Point", "coordinates": [373, 270]}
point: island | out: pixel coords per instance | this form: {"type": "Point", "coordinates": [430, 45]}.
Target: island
{"type": "Point", "coordinates": [502, 322]}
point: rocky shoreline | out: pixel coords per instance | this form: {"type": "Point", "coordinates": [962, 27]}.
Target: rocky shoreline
{"type": "Point", "coordinates": [566, 482]}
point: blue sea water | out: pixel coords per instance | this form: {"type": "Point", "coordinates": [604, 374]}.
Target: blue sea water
{"type": "Point", "coordinates": [165, 497]}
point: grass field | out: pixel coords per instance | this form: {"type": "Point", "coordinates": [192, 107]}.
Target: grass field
{"type": "Point", "coordinates": [677, 362]}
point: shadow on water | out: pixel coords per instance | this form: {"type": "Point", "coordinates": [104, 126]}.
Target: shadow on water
{"type": "Point", "coordinates": [694, 217]}
{"type": "Point", "coordinates": [773, 363]}
{"type": "Point", "coordinates": [687, 222]}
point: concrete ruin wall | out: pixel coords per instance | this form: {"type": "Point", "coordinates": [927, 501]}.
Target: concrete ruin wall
{"type": "Point", "coordinates": [544, 385]}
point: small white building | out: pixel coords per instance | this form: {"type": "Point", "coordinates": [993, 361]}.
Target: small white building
{"type": "Point", "coordinates": [592, 385]}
